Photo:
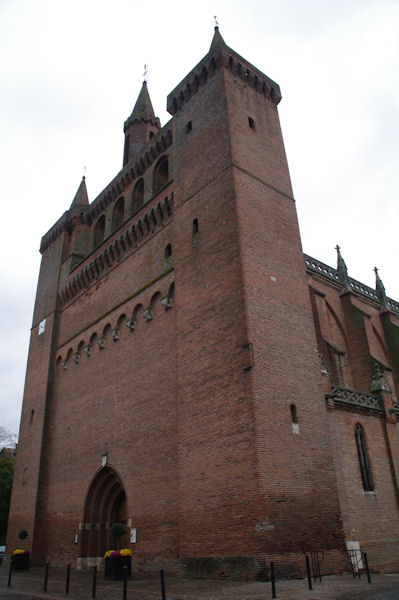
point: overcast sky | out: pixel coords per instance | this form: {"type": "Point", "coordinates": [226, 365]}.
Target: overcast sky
{"type": "Point", "coordinates": [71, 70]}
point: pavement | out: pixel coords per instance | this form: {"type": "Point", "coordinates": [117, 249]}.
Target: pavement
{"type": "Point", "coordinates": [28, 585]}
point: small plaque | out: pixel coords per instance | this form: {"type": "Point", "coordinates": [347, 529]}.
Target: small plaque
{"type": "Point", "coordinates": [133, 535]}
{"type": "Point", "coordinates": [42, 327]}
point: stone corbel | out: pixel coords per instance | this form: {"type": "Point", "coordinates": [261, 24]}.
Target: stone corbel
{"type": "Point", "coordinates": [115, 334]}
{"type": "Point", "coordinates": [101, 343]}
{"type": "Point", "coordinates": [148, 315]}
{"type": "Point", "coordinates": [76, 358]}
{"type": "Point", "coordinates": [89, 350]}
{"type": "Point", "coordinates": [167, 302]}
{"type": "Point", "coordinates": [131, 325]}
{"type": "Point", "coordinates": [65, 364]}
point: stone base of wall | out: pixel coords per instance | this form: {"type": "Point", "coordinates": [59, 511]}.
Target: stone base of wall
{"type": "Point", "coordinates": [83, 563]}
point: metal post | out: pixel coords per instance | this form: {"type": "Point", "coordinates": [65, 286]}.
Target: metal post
{"type": "Point", "coordinates": [124, 582]}
{"type": "Point", "coordinates": [273, 579]}
{"type": "Point", "coordinates": [366, 563]}
{"type": "Point", "coordinates": [10, 573]}
{"type": "Point", "coordinates": [93, 591]}
{"type": "Point", "coordinates": [68, 575]}
{"type": "Point", "coordinates": [318, 562]}
{"type": "Point", "coordinates": [163, 592]}
{"type": "Point", "coordinates": [308, 571]}
{"type": "Point", "coordinates": [46, 577]}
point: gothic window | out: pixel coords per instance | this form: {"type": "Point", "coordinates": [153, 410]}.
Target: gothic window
{"type": "Point", "coordinates": [118, 213]}
{"type": "Point", "coordinates": [161, 174]}
{"type": "Point", "coordinates": [363, 459]}
{"type": "Point", "coordinates": [99, 231]}
{"type": "Point", "coordinates": [138, 195]}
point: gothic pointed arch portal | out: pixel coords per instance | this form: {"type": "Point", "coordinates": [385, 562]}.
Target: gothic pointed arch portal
{"type": "Point", "coordinates": [105, 504]}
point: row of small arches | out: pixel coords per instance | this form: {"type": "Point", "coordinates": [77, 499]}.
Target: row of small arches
{"type": "Point", "coordinates": [159, 180]}
{"type": "Point", "coordinates": [124, 325]}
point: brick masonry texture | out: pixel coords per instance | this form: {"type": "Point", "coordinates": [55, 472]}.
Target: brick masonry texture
{"type": "Point", "coordinates": [219, 379]}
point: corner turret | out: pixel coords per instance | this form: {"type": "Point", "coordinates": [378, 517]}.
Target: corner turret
{"type": "Point", "coordinates": [140, 126]}
{"type": "Point", "coordinates": [81, 199]}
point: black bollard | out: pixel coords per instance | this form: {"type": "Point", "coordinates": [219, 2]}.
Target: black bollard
{"type": "Point", "coordinates": [93, 590]}
{"type": "Point", "coordinates": [10, 573]}
{"type": "Point", "coordinates": [163, 584]}
{"type": "Point", "coordinates": [67, 579]}
{"type": "Point", "coordinates": [366, 564]}
{"type": "Point", "coordinates": [273, 579]}
{"type": "Point", "coordinates": [45, 577]}
{"type": "Point", "coordinates": [124, 582]}
{"type": "Point", "coordinates": [308, 571]}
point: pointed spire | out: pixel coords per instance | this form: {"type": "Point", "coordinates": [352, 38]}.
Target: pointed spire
{"type": "Point", "coordinates": [81, 198]}
{"type": "Point", "coordinates": [379, 288]}
{"type": "Point", "coordinates": [342, 269]}
{"type": "Point", "coordinates": [217, 40]}
{"type": "Point", "coordinates": [143, 110]}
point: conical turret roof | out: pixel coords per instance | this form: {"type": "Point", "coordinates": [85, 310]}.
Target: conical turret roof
{"type": "Point", "coordinates": [81, 198]}
{"type": "Point", "coordinates": [143, 109]}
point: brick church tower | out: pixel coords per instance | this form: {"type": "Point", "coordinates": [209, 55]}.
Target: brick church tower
{"type": "Point", "coordinates": [173, 380]}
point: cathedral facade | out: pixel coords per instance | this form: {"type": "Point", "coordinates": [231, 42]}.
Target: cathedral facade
{"type": "Point", "coordinates": [191, 373]}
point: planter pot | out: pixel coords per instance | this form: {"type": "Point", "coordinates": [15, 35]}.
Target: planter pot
{"type": "Point", "coordinates": [114, 567]}
{"type": "Point", "coordinates": [20, 562]}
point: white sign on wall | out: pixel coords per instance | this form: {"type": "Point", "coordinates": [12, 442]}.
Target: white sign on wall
{"type": "Point", "coordinates": [133, 535]}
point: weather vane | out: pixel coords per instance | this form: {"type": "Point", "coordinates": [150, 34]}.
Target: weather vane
{"type": "Point", "coordinates": [145, 74]}
{"type": "Point", "coordinates": [216, 22]}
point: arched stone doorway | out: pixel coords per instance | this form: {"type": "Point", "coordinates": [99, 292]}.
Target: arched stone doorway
{"type": "Point", "coordinates": [105, 504]}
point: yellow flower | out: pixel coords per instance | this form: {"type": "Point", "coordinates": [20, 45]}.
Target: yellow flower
{"type": "Point", "coordinates": [107, 554]}
{"type": "Point", "coordinates": [126, 552]}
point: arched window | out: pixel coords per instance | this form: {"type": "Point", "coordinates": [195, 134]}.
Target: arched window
{"type": "Point", "coordinates": [161, 174]}
{"type": "Point", "coordinates": [99, 231]}
{"type": "Point", "coordinates": [118, 214]}
{"type": "Point", "coordinates": [138, 195]}
{"type": "Point", "coordinates": [363, 459]}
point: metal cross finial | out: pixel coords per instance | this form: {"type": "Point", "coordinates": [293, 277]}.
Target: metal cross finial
{"type": "Point", "coordinates": [376, 271]}
{"type": "Point", "coordinates": [338, 248]}
{"type": "Point", "coordinates": [84, 172]}
{"type": "Point", "coordinates": [216, 22]}
{"type": "Point", "coordinates": [145, 74]}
